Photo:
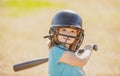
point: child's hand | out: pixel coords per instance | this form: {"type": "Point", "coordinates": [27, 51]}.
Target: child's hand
{"type": "Point", "coordinates": [86, 52]}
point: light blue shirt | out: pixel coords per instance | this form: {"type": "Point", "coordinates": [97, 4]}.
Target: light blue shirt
{"type": "Point", "coordinates": [61, 69]}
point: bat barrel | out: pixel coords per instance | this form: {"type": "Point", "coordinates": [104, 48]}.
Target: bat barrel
{"type": "Point", "coordinates": [29, 64]}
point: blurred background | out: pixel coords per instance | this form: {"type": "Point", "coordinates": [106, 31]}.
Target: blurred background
{"type": "Point", "coordinates": [23, 23]}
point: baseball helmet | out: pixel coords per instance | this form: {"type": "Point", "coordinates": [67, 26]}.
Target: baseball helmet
{"type": "Point", "coordinates": [68, 19]}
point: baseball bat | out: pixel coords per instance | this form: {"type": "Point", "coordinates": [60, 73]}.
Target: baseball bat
{"type": "Point", "coordinates": [30, 64]}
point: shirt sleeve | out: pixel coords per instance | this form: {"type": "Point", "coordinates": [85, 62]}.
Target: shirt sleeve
{"type": "Point", "coordinates": [57, 54]}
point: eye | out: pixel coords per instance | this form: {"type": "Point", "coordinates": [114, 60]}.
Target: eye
{"type": "Point", "coordinates": [63, 30]}
{"type": "Point", "coordinates": [73, 31]}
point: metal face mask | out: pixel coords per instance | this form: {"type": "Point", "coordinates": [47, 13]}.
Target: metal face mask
{"type": "Point", "coordinates": [74, 45]}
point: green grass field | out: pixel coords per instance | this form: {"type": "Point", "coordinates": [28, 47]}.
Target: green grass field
{"type": "Point", "coordinates": [23, 23]}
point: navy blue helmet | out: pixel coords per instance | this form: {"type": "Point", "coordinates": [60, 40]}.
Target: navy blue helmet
{"type": "Point", "coordinates": [68, 19]}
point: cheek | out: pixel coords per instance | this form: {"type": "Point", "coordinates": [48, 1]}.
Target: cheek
{"type": "Point", "coordinates": [60, 38]}
{"type": "Point", "coordinates": [72, 39]}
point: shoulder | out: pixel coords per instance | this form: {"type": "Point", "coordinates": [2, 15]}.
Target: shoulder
{"type": "Point", "coordinates": [56, 50]}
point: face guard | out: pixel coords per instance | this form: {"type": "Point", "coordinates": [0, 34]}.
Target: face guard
{"type": "Point", "coordinates": [66, 19]}
{"type": "Point", "coordinates": [53, 33]}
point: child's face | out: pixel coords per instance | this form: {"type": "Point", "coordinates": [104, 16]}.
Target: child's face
{"type": "Point", "coordinates": [67, 31]}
